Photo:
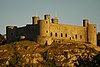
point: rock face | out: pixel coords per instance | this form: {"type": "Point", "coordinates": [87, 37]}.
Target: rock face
{"type": "Point", "coordinates": [28, 53]}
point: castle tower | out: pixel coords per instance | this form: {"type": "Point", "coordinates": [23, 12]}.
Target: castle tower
{"type": "Point", "coordinates": [85, 22]}
{"type": "Point", "coordinates": [44, 28]}
{"type": "Point", "coordinates": [55, 20]}
{"type": "Point", "coordinates": [90, 32]}
{"type": "Point", "coordinates": [92, 38]}
{"type": "Point", "coordinates": [11, 33]}
{"type": "Point", "coordinates": [35, 20]}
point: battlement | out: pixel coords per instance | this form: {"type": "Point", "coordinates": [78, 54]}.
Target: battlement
{"type": "Point", "coordinates": [36, 19]}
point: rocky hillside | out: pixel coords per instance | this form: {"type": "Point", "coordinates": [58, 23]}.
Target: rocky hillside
{"type": "Point", "coordinates": [30, 54]}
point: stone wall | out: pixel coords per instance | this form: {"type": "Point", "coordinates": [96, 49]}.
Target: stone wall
{"type": "Point", "coordinates": [69, 32]}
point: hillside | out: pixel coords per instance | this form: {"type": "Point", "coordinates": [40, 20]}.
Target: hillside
{"type": "Point", "coordinates": [30, 54]}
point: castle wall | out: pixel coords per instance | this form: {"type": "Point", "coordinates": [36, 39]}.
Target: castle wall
{"type": "Point", "coordinates": [69, 32]}
{"type": "Point", "coordinates": [21, 32]}
{"type": "Point", "coordinates": [30, 32]}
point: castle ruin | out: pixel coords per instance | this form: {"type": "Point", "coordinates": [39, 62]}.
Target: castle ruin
{"type": "Point", "coordinates": [48, 30]}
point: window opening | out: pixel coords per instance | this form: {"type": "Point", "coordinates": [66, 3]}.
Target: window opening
{"type": "Point", "coordinates": [56, 34]}
{"type": "Point", "coordinates": [65, 35]}
{"type": "Point", "coordinates": [46, 31]}
{"type": "Point", "coordinates": [46, 22]}
{"type": "Point", "coordinates": [76, 36]}
{"type": "Point", "coordinates": [80, 36]}
{"type": "Point", "coordinates": [61, 35]}
{"type": "Point", "coordinates": [70, 38]}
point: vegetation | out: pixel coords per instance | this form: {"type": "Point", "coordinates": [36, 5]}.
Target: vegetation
{"type": "Point", "coordinates": [2, 39]}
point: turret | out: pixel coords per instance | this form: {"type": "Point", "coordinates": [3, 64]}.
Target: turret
{"type": "Point", "coordinates": [35, 20]}
{"type": "Point", "coordinates": [47, 18]}
{"type": "Point", "coordinates": [55, 20]}
{"type": "Point", "coordinates": [85, 22]}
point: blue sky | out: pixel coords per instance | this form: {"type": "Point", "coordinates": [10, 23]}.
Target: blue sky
{"type": "Point", "coordinates": [19, 12]}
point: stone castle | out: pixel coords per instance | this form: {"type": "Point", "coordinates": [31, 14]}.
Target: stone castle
{"type": "Point", "coordinates": [48, 30]}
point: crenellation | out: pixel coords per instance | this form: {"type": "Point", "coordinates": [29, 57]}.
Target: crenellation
{"type": "Point", "coordinates": [46, 31]}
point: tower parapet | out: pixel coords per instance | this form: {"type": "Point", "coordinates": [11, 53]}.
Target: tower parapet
{"type": "Point", "coordinates": [47, 18]}
{"type": "Point", "coordinates": [55, 20]}
{"type": "Point", "coordinates": [85, 22]}
{"type": "Point", "coordinates": [35, 20]}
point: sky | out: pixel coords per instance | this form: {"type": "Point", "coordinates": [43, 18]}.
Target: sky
{"type": "Point", "coordinates": [20, 12]}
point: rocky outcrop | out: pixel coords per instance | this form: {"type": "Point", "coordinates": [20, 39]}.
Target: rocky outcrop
{"type": "Point", "coordinates": [28, 53]}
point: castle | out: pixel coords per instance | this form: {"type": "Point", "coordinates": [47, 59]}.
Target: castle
{"type": "Point", "coordinates": [48, 30]}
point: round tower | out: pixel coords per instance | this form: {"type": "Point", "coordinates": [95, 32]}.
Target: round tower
{"type": "Point", "coordinates": [44, 28]}
{"type": "Point", "coordinates": [85, 22]}
{"type": "Point", "coordinates": [55, 20]}
{"type": "Point", "coordinates": [11, 33]}
{"type": "Point", "coordinates": [35, 20]}
{"type": "Point", "coordinates": [44, 36]}
{"type": "Point", "coordinates": [92, 38]}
